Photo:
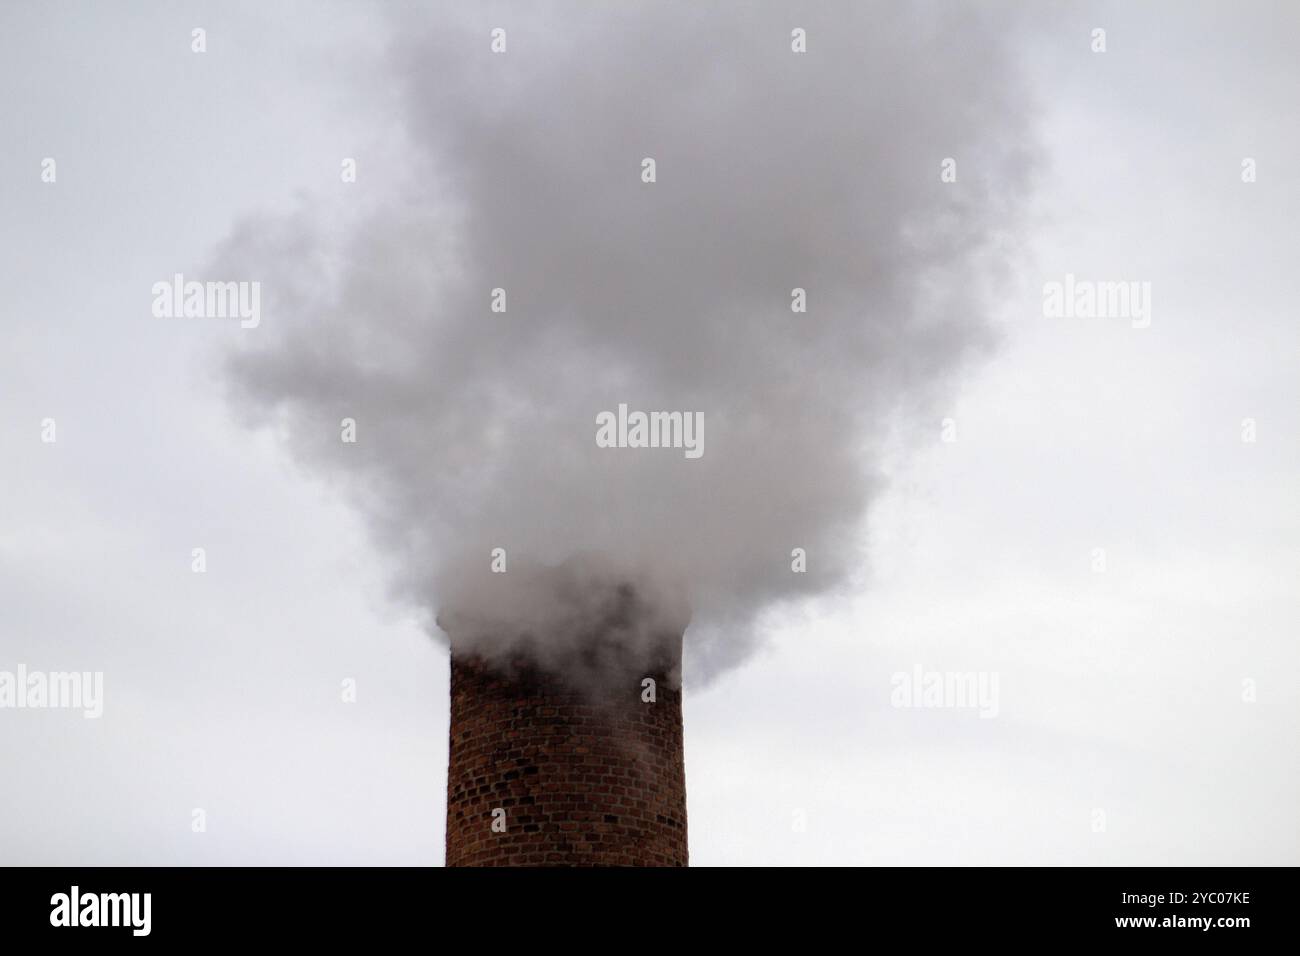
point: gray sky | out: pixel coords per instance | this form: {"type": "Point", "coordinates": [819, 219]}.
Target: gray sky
{"type": "Point", "coordinates": [1119, 691]}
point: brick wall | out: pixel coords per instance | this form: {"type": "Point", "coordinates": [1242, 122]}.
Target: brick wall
{"type": "Point", "coordinates": [586, 777]}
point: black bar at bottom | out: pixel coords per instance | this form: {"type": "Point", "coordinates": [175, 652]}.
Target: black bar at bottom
{"type": "Point", "coordinates": [642, 908]}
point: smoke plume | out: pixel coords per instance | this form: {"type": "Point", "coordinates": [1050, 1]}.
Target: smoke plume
{"type": "Point", "coordinates": [775, 170]}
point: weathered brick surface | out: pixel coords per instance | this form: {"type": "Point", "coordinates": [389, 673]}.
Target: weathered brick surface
{"type": "Point", "coordinates": [591, 777]}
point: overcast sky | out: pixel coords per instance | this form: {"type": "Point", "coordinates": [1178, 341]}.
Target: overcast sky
{"type": "Point", "coordinates": [1121, 691]}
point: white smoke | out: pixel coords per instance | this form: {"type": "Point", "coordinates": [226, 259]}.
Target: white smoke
{"type": "Point", "coordinates": [775, 170]}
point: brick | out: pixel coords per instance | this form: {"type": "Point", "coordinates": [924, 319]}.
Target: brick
{"type": "Point", "coordinates": [588, 776]}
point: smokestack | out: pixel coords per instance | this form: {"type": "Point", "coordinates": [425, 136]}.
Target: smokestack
{"type": "Point", "coordinates": [809, 295]}
{"type": "Point", "coordinates": [566, 767]}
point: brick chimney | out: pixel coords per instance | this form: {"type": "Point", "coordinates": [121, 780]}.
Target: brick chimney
{"type": "Point", "coordinates": [548, 770]}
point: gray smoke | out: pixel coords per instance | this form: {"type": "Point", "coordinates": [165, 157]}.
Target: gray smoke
{"type": "Point", "coordinates": [775, 170]}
